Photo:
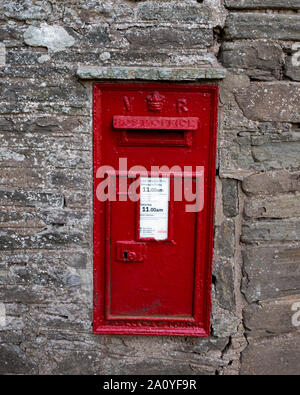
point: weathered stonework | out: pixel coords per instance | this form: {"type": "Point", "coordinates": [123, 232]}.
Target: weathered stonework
{"type": "Point", "coordinates": [49, 56]}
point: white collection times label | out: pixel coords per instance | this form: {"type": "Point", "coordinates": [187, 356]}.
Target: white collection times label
{"type": "Point", "coordinates": [154, 207]}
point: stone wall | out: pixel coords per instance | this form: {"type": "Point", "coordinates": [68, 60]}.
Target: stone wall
{"type": "Point", "coordinates": [46, 179]}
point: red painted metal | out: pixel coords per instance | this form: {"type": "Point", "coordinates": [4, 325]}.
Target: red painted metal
{"type": "Point", "coordinates": [147, 286]}
{"type": "Point", "coordinates": [156, 123]}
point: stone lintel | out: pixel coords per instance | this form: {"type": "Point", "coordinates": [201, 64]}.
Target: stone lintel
{"type": "Point", "coordinates": [150, 73]}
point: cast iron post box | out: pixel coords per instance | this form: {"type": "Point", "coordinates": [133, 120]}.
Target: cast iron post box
{"type": "Point", "coordinates": [154, 185]}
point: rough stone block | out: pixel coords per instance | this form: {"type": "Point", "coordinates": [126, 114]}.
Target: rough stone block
{"type": "Point", "coordinates": [276, 230]}
{"type": "Point", "coordinates": [61, 269]}
{"type": "Point", "coordinates": [58, 92]}
{"type": "Point", "coordinates": [2, 55]}
{"type": "Point", "coordinates": [257, 4]}
{"type": "Point", "coordinates": [95, 11]}
{"type": "Point", "coordinates": [15, 361]}
{"type": "Point", "coordinates": [61, 358]}
{"type": "Point", "coordinates": [278, 155]}
{"type": "Point", "coordinates": [27, 179]}
{"type": "Point", "coordinates": [54, 37]}
{"type": "Point", "coordinates": [224, 239]}
{"type": "Point", "coordinates": [26, 198]}
{"type": "Point", "coordinates": [272, 356]}
{"type": "Point", "coordinates": [167, 355]}
{"type": "Point", "coordinates": [64, 217]}
{"type": "Point", "coordinates": [230, 197]}
{"type": "Point", "coordinates": [272, 183]}
{"type": "Point", "coordinates": [20, 218]}
{"type": "Point", "coordinates": [259, 25]}
{"type": "Point", "coordinates": [274, 101]}
{"type": "Point", "coordinates": [70, 179]}
{"type": "Point", "coordinates": [271, 272]}
{"type": "Point", "coordinates": [260, 60]}
{"type": "Point", "coordinates": [271, 318]}
{"type": "Point", "coordinates": [174, 12]}
{"type": "Point", "coordinates": [47, 239]}
{"type": "Point", "coordinates": [25, 10]}
{"type": "Point", "coordinates": [283, 206]}
{"type": "Point", "coordinates": [77, 362]}
{"type": "Point", "coordinates": [168, 37]}
{"type": "Point", "coordinates": [115, 365]}
{"type": "Point", "coordinates": [96, 35]}
{"type": "Point", "coordinates": [223, 267]}
{"type": "Point", "coordinates": [150, 73]}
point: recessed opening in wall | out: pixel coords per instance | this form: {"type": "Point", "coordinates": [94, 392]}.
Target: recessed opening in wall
{"type": "Point", "coordinates": [153, 252]}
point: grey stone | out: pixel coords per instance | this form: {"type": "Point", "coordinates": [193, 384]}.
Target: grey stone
{"type": "Point", "coordinates": [271, 317]}
{"type": "Point", "coordinates": [257, 4]}
{"type": "Point", "coordinates": [168, 37]}
{"type": "Point", "coordinates": [17, 57]}
{"type": "Point", "coordinates": [272, 183]}
{"type": "Point", "coordinates": [31, 198]}
{"type": "Point", "coordinates": [272, 356]}
{"type": "Point", "coordinates": [2, 55]}
{"type": "Point", "coordinates": [15, 361]}
{"type": "Point", "coordinates": [278, 155]}
{"type": "Point", "coordinates": [276, 230]}
{"type": "Point", "coordinates": [33, 294]}
{"type": "Point", "coordinates": [15, 218]}
{"type": "Point", "coordinates": [155, 366]}
{"type": "Point", "coordinates": [258, 25]}
{"type": "Point", "coordinates": [48, 239]}
{"type": "Point", "coordinates": [96, 35]}
{"type": "Point", "coordinates": [79, 363]}
{"type": "Point", "coordinates": [64, 217]}
{"type": "Point", "coordinates": [271, 272]}
{"type": "Point", "coordinates": [6, 125]}
{"type": "Point", "coordinates": [224, 283]}
{"type": "Point", "coordinates": [135, 57]}
{"type": "Point", "coordinates": [223, 322]}
{"type": "Point", "coordinates": [166, 354]}
{"type": "Point", "coordinates": [50, 92]}
{"type": "Point", "coordinates": [28, 157]}
{"type": "Point", "coordinates": [45, 268]}
{"type": "Point", "coordinates": [274, 101]}
{"type": "Point", "coordinates": [260, 60]}
{"type": "Point", "coordinates": [230, 197]}
{"type": "Point", "coordinates": [54, 37]}
{"type": "Point", "coordinates": [223, 268]}
{"type": "Point", "coordinates": [52, 130]}
{"type": "Point", "coordinates": [29, 178]}
{"type": "Point", "coordinates": [174, 12]}
{"type": "Point", "coordinates": [283, 206]}
{"type": "Point", "coordinates": [207, 344]}
{"type": "Point", "coordinates": [77, 199]}
{"type": "Point", "coordinates": [25, 10]}
{"type": "Point", "coordinates": [69, 179]}
{"type": "Point", "coordinates": [150, 73]}
{"type": "Point", "coordinates": [94, 11]}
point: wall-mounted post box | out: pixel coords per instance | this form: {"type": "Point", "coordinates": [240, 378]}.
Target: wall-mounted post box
{"type": "Point", "coordinates": [154, 185]}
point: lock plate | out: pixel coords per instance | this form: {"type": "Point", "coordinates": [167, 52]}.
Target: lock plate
{"type": "Point", "coordinates": [130, 251]}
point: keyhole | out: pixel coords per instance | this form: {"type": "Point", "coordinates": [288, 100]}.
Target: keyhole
{"type": "Point", "coordinates": [125, 253]}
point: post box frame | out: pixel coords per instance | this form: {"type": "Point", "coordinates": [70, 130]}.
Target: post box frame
{"type": "Point", "coordinates": [148, 325]}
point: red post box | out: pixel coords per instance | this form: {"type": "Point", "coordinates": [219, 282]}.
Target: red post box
{"type": "Point", "coordinates": [154, 185]}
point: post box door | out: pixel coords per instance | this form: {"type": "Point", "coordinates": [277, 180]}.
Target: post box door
{"type": "Point", "coordinates": [152, 244]}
